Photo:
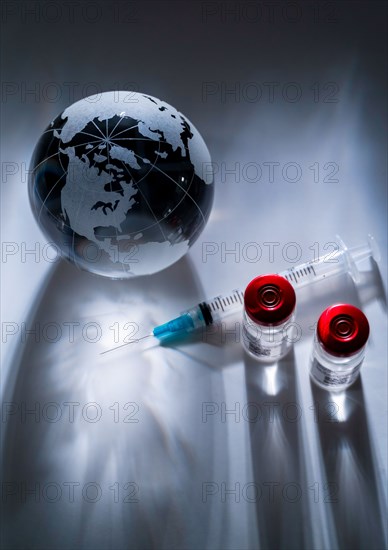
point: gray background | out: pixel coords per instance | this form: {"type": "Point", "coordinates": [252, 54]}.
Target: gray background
{"type": "Point", "coordinates": [316, 479]}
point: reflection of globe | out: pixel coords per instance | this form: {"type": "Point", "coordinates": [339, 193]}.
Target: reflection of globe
{"type": "Point", "coordinates": [122, 184]}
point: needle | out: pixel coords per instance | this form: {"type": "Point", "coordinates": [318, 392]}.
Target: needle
{"type": "Point", "coordinates": [126, 344]}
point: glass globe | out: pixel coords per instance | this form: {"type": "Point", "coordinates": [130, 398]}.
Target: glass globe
{"type": "Point", "coordinates": [122, 184]}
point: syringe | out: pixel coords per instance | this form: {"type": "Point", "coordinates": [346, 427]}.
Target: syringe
{"type": "Point", "coordinates": [212, 312]}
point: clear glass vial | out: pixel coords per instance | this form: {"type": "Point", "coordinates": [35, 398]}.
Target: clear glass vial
{"type": "Point", "coordinates": [268, 318]}
{"type": "Point", "coordinates": [339, 347]}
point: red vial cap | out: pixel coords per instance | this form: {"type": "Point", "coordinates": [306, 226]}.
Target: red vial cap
{"type": "Point", "coordinates": [343, 329]}
{"type": "Point", "coordinates": [269, 300]}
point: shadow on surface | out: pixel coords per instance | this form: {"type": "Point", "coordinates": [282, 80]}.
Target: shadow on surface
{"type": "Point", "coordinates": [277, 454]}
{"type": "Point", "coordinates": [109, 451]}
{"type": "Point", "coordinates": [352, 485]}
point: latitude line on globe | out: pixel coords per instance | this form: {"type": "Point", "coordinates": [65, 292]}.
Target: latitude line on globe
{"type": "Point", "coordinates": [151, 164]}
{"type": "Point", "coordinates": [46, 159]}
{"type": "Point", "coordinates": [182, 199]}
{"type": "Point", "coordinates": [99, 141]}
{"type": "Point", "coordinates": [80, 202]}
{"type": "Point", "coordinates": [184, 190]}
{"type": "Point", "coordinates": [48, 194]}
{"type": "Point", "coordinates": [175, 207]}
{"type": "Point", "coordinates": [148, 204]}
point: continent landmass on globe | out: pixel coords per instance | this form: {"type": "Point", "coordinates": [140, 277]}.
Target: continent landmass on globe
{"type": "Point", "coordinates": [132, 176]}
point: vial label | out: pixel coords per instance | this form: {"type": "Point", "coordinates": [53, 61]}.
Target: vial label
{"type": "Point", "coordinates": [331, 378]}
{"type": "Point", "coordinates": [253, 344]}
{"type": "Point", "coordinates": [266, 346]}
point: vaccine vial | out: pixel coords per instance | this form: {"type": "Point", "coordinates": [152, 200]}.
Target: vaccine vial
{"type": "Point", "coordinates": [339, 347]}
{"type": "Point", "coordinates": [268, 319]}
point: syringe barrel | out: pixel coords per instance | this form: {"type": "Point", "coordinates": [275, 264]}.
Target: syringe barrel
{"type": "Point", "coordinates": [221, 306]}
{"type": "Point", "coordinates": [315, 271]}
